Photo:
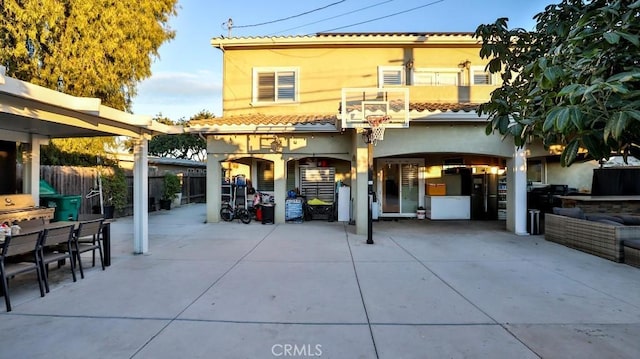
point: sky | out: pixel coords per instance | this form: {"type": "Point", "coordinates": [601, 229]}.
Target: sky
{"type": "Point", "coordinates": [187, 77]}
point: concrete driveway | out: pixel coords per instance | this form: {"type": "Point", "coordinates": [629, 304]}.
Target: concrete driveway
{"type": "Point", "coordinates": [453, 289]}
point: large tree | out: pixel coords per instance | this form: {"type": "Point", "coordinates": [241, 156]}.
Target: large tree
{"type": "Point", "coordinates": [90, 48]}
{"type": "Point", "coordinates": [573, 82]}
{"type": "Point", "coordinates": [93, 48]}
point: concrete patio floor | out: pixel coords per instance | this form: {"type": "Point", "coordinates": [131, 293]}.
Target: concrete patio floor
{"type": "Point", "coordinates": [425, 289]}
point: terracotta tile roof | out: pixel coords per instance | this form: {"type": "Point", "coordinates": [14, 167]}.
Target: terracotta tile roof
{"type": "Point", "coordinates": [443, 107]}
{"type": "Point", "coordinates": [266, 120]}
{"type": "Point", "coordinates": [430, 106]}
{"type": "Point", "coordinates": [260, 119]}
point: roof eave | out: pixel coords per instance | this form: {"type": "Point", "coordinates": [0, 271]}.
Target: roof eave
{"type": "Point", "coordinates": [389, 39]}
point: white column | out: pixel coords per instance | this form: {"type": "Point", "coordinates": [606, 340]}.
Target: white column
{"type": "Point", "coordinates": [31, 168]}
{"type": "Point", "coordinates": [361, 199]}
{"type": "Point", "coordinates": [279, 188]}
{"type": "Point", "coordinates": [517, 192]}
{"type": "Point", "coordinates": [141, 196]}
{"type": "Point", "coordinates": [214, 183]}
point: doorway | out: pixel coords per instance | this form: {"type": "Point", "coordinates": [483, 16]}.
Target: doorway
{"type": "Point", "coordinates": [400, 187]}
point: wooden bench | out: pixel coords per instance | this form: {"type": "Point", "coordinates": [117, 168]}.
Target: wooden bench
{"type": "Point", "coordinates": [21, 207]}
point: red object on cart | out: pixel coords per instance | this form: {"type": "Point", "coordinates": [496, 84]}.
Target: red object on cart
{"type": "Point", "coordinates": [259, 213]}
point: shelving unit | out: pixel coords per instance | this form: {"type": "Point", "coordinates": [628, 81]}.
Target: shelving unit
{"type": "Point", "coordinates": [226, 192]}
{"type": "Point", "coordinates": [502, 198]}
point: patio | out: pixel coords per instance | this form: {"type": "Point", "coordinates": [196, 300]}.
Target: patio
{"type": "Point", "coordinates": [425, 289]}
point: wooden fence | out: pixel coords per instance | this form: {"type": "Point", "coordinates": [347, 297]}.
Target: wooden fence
{"type": "Point", "coordinates": [67, 180]}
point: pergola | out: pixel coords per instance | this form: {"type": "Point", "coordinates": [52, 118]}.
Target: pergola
{"type": "Point", "coordinates": [32, 115]}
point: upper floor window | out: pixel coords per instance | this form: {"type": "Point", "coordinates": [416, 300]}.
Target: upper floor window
{"type": "Point", "coordinates": [481, 77]}
{"type": "Point", "coordinates": [435, 77]}
{"type": "Point", "coordinates": [275, 84]}
{"type": "Point", "coordinates": [391, 76]}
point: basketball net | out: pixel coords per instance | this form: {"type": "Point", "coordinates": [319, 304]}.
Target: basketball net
{"type": "Point", "coordinates": [377, 127]}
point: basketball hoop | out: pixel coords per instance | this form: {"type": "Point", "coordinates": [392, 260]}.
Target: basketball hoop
{"type": "Point", "coordinates": [376, 131]}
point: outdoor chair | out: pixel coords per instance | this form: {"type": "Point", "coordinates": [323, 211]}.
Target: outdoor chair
{"type": "Point", "coordinates": [56, 246]}
{"type": "Point", "coordinates": [88, 237]}
{"type": "Point", "coordinates": [14, 246]}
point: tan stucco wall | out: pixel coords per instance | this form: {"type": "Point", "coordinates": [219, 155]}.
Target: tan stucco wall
{"type": "Point", "coordinates": [324, 72]}
{"type": "Point", "coordinates": [578, 175]}
{"type": "Point", "coordinates": [442, 137]}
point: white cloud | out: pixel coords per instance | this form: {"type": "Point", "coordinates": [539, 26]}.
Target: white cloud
{"type": "Point", "coordinates": [179, 94]}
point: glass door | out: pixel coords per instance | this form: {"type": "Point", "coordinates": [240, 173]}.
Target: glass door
{"type": "Point", "coordinates": [391, 188]}
{"type": "Point", "coordinates": [409, 188]}
{"type": "Point", "coordinates": [400, 186]}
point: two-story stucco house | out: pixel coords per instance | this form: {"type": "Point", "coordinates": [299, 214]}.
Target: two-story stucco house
{"type": "Point", "coordinates": [282, 122]}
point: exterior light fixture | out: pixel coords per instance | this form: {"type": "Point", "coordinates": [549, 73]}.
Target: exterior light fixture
{"type": "Point", "coordinates": [465, 64]}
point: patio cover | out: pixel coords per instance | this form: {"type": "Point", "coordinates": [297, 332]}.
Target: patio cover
{"type": "Point", "coordinates": [34, 114]}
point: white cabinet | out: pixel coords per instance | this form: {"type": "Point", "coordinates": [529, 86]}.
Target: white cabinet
{"type": "Point", "coordinates": [448, 207]}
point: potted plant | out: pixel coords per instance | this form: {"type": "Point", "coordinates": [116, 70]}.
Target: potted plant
{"type": "Point", "coordinates": [114, 190]}
{"type": "Point", "coordinates": [171, 187]}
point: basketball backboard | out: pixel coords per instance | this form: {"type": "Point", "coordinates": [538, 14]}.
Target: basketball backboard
{"type": "Point", "coordinates": [360, 103]}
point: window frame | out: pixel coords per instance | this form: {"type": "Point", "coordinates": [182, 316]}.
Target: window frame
{"type": "Point", "coordinates": [275, 70]}
{"type": "Point", "coordinates": [436, 71]}
{"type": "Point", "coordinates": [481, 69]}
{"type": "Point", "coordinates": [381, 71]}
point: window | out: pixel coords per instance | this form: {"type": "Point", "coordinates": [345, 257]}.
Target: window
{"type": "Point", "coordinates": [275, 85]}
{"type": "Point", "coordinates": [391, 76]}
{"type": "Point", "coordinates": [481, 77]}
{"type": "Point", "coordinates": [436, 77]}
{"type": "Point", "coordinates": [535, 171]}
{"type": "Point", "coordinates": [265, 176]}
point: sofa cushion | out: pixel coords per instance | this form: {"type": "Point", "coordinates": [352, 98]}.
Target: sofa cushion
{"type": "Point", "coordinates": [629, 220]}
{"type": "Point", "coordinates": [609, 222]}
{"type": "Point", "coordinates": [575, 212]}
{"type": "Point", "coordinates": [598, 216]}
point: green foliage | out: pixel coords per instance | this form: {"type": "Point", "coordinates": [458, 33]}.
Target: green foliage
{"type": "Point", "coordinates": [77, 152]}
{"type": "Point", "coordinates": [171, 186]}
{"type": "Point", "coordinates": [574, 81]}
{"type": "Point", "coordinates": [114, 187]}
{"type": "Point", "coordinates": [183, 146]}
{"type": "Point", "coordinates": [98, 48]}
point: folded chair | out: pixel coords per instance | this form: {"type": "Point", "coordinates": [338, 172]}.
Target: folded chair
{"type": "Point", "coordinates": [88, 237]}
{"type": "Point", "coordinates": [56, 246]}
{"type": "Point", "coordinates": [23, 244]}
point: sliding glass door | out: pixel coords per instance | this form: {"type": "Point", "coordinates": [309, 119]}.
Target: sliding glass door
{"type": "Point", "coordinates": [400, 186]}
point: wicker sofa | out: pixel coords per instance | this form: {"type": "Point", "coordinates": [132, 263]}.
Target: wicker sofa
{"type": "Point", "coordinates": [601, 239]}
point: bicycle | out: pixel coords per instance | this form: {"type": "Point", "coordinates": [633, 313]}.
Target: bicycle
{"type": "Point", "coordinates": [228, 213]}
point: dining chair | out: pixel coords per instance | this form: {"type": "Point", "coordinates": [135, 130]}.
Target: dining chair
{"type": "Point", "coordinates": [56, 246]}
{"type": "Point", "coordinates": [20, 245]}
{"type": "Point", "coordinates": [88, 237]}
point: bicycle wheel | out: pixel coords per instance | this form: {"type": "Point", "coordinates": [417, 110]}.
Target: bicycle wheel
{"type": "Point", "coordinates": [226, 213]}
{"type": "Point", "coordinates": [245, 216]}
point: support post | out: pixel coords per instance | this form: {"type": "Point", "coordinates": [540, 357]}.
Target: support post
{"type": "Point", "coordinates": [141, 196]}
{"type": "Point", "coordinates": [369, 189]}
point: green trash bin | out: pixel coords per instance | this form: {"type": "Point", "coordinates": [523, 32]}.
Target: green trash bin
{"type": "Point", "coordinates": [67, 207]}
